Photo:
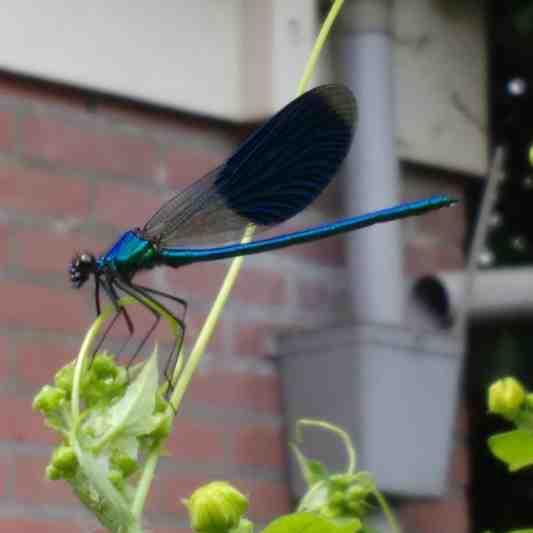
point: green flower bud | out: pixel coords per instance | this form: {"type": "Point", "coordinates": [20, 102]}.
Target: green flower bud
{"type": "Point", "coordinates": [341, 481]}
{"type": "Point", "coordinates": [64, 376]}
{"type": "Point", "coordinates": [104, 366]}
{"type": "Point", "coordinates": [529, 400]}
{"type": "Point", "coordinates": [357, 492]}
{"type": "Point", "coordinates": [505, 397]}
{"type": "Point", "coordinates": [164, 426]}
{"type": "Point", "coordinates": [336, 497]}
{"type": "Point", "coordinates": [64, 462]}
{"type": "Point", "coordinates": [216, 507]}
{"type": "Point", "coordinates": [48, 399]}
{"type": "Point", "coordinates": [330, 510]}
{"type": "Point", "coordinates": [116, 477]}
{"type": "Point", "coordinates": [52, 473]}
{"type": "Point", "coordinates": [123, 463]}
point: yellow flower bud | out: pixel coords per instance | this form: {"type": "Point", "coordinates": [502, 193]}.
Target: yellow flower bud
{"type": "Point", "coordinates": [216, 507]}
{"type": "Point", "coordinates": [505, 397]}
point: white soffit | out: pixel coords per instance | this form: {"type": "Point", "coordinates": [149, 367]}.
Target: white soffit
{"type": "Point", "coordinates": [441, 78]}
{"type": "Point", "coordinates": [231, 59]}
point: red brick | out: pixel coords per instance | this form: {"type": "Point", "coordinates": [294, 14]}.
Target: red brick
{"type": "Point", "coordinates": [313, 294]}
{"type": "Point", "coordinates": [6, 357]}
{"type": "Point", "coordinates": [440, 516]}
{"type": "Point", "coordinates": [184, 166]}
{"type": "Point", "coordinates": [42, 193]}
{"type": "Point", "coordinates": [423, 257]}
{"type": "Point", "coordinates": [268, 499]}
{"type": "Point", "coordinates": [446, 224]}
{"type": "Point", "coordinates": [30, 525]}
{"type": "Point", "coordinates": [33, 306]}
{"type": "Point", "coordinates": [329, 252]}
{"type": "Point", "coordinates": [261, 287]}
{"type": "Point", "coordinates": [459, 470]}
{"type": "Point", "coordinates": [81, 146]}
{"type": "Point", "coordinates": [4, 249]}
{"type": "Point", "coordinates": [38, 361]}
{"type": "Point", "coordinates": [6, 467]}
{"type": "Point", "coordinates": [7, 130]}
{"type": "Point", "coordinates": [256, 393]}
{"type": "Point", "coordinates": [20, 423]}
{"type": "Point", "coordinates": [253, 338]}
{"type": "Point", "coordinates": [200, 281]}
{"type": "Point", "coordinates": [259, 445]}
{"type": "Point", "coordinates": [195, 322]}
{"type": "Point", "coordinates": [168, 530]}
{"type": "Point", "coordinates": [168, 491]}
{"type": "Point", "coordinates": [196, 442]}
{"type": "Point", "coordinates": [124, 206]}
{"type": "Point", "coordinates": [31, 485]}
{"type": "Point", "coordinates": [48, 251]}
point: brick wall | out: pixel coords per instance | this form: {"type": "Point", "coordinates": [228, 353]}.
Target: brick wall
{"type": "Point", "coordinates": [76, 169]}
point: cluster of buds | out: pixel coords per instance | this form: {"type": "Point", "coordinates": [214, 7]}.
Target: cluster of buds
{"type": "Point", "coordinates": [108, 419]}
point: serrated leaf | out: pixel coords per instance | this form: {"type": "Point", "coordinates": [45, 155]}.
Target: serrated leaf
{"type": "Point", "coordinates": [311, 523]}
{"type": "Point", "coordinates": [515, 448]}
{"type": "Point", "coordinates": [133, 411]}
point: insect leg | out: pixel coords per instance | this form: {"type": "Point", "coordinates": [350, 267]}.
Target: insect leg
{"type": "Point", "coordinates": [172, 357]}
{"type": "Point", "coordinates": [130, 291]}
{"type": "Point", "coordinates": [119, 310]}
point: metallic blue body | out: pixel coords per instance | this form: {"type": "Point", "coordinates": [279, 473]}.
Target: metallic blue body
{"type": "Point", "coordinates": [132, 253]}
{"type": "Point", "coordinates": [128, 255]}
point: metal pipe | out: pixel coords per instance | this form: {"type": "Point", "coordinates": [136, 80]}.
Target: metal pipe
{"type": "Point", "coordinates": [375, 255]}
{"type": "Point", "coordinates": [497, 293]}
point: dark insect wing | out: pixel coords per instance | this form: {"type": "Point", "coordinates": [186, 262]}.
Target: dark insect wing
{"type": "Point", "coordinates": [277, 172]}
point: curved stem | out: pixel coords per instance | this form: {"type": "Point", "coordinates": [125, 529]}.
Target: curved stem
{"type": "Point", "coordinates": [343, 435]}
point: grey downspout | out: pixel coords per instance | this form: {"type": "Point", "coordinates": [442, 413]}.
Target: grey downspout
{"type": "Point", "coordinates": [375, 254]}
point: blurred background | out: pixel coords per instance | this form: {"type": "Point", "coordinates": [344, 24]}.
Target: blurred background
{"type": "Point", "coordinates": [106, 109]}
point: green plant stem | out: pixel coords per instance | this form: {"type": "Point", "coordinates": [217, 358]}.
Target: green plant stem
{"type": "Point", "coordinates": [147, 476]}
{"type": "Point", "coordinates": [319, 44]}
{"type": "Point", "coordinates": [213, 316]}
{"type": "Point", "coordinates": [389, 515]}
{"type": "Point", "coordinates": [350, 451]}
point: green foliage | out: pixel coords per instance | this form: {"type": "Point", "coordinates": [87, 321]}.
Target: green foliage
{"type": "Point", "coordinates": [508, 398]}
{"type": "Point", "coordinates": [120, 421]}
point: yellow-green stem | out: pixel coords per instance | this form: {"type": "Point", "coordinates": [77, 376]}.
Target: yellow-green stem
{"type": "Point", "coordinates": [210, 323]}
{"type": "Point", "coordinates": [346, 440]}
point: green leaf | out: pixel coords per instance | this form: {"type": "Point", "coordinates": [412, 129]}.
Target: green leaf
{"type": "Point", "coordinates": [130, 416]}
{"type": "Point", "coordinates": [317, 471]}
{"type": "Point", "coordinates": [311, 523]}
{"type": "Point", "coordinates": [515, 448]}
{"type": "Point", "coordinates": [133, 411]}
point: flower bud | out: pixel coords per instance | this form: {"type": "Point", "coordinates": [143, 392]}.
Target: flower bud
{"type": "Point", "coordinates": [63, 464]}
{"type": "Point", "coordinates": [216, 507]}
{"type": "Point", "coordinates": [123, 463]}
{"type": "Point", "coordinates": [116, 477]}
{"type": "Point", "coordinates": [64, 377]}
{"type": "Point", "coordinates": [163, 427]}
{"type": "Point", "coordinates": [48, 399]}
{"type": "Point", "coordinates": [505, 397]}
{"type": "Point", "coordinates": [104, 366]}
